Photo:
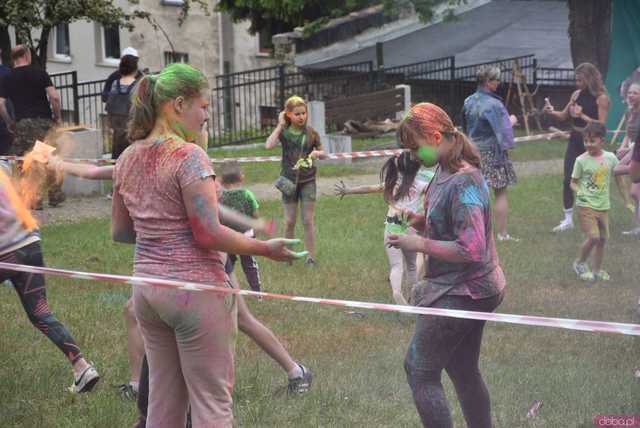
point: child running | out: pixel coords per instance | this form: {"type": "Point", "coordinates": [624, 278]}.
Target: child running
{"type": "Point", "coordinates": [242, 200]}
{"type": "Point", "coordinates": [20, 244]}
{"type": "Point", "coordinates": [590, 181]}
{"type": "Point", "coordinates": [403, 183]}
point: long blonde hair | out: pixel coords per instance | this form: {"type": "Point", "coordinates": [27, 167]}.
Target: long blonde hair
{"type": "Point", "coordinates": [291, 103]}
{"type": "Point", "coordinates": [592, 78]}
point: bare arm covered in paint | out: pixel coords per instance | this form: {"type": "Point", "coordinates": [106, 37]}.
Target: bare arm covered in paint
{"type": "Point", "coordinates": [90, 172]}
{"type": "Point", "coordinates": [121, 223]}
{"type": "Point", "coordinates": [342, 189]}
{"type": "Point", "coordinates": [4, 115]}
{"type": "Point", "coordinates": [274, 138]}
{"type": "Point", "coordinates": [201, 204]}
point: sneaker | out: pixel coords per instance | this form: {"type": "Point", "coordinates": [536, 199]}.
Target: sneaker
{"type": "Point", "coordinates": [632, 232]}
{"type": "Point", "coordinates": [85, 381]}
{"type": "Point", "coordinates": [507, 237]}
{"type": "Point", "coordinates": [300, 384]}
{"type": "Point", "coordinates": [310, 262]}
{"type": "Point", "coordinates": [587, 276]}
{"type": "Point", "coordinates": [128, 392]}
{"type": "Point", "coordinates": [602, 275]}
{"type": "Point", "coordinates": [581, 268]}
{"type": "Point", "coordinates": [564, 225]}
{"type": "Point", "coordinates": [631, 207]}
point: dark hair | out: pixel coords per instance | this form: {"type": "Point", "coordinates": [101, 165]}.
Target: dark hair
{"type": "Point", "coordinates": [18, 52]}
{"type": "Point", "coordinates": [230, 172]}
{"type": "Point", "coordinates": [402, 165]}
{"type": "Point", "coordinates": [595, 130]}
{"type": "Point", "coordinates": [128, 65]}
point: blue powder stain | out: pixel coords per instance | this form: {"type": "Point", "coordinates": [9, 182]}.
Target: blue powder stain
{"type": "Point", "coordinates": [470, 195]}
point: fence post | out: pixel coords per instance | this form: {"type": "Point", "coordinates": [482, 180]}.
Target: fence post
{"type": "Point", "coordinates": [226, 97]}
{"type": "Point", "coordinates": [535, 71]}
{"type": "Point", "coordinates": [452, 83]}
{"type": "Point", "coordinates": [76, 100]}
{"type": "Point", "coordinates": [379, 65]}
{"type": "Point", "coordinates": [281, 83]}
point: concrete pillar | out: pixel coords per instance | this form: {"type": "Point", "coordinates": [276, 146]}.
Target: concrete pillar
{"type": "Point", "coordinates": [316, 117]}
{"type": "Point", "coordinates": [407, 101]}
{"type": "Point", "coordinates": [84, 143]}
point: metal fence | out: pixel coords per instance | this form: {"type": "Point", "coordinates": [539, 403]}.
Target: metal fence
{"type": "Point", "coordinates": [244, 105]}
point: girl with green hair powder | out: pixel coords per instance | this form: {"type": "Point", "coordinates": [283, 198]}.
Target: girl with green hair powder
{"type": "Point", "coordinates": [165, 202]}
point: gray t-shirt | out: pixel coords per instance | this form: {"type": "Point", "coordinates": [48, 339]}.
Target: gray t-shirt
{"type": "Point", "coordinates": [633, 125]}
{"type": "Point", "coordinates": [13, 233]}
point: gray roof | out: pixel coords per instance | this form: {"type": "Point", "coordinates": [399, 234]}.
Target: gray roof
{"type": "Point", "coordinates": [498, 29]}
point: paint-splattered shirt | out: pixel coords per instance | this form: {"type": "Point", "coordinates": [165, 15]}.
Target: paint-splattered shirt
{"type": "Point", "coordinates": [150, 177]}
{"type": "Point", "coordinates": [295, 146]}
{"type": "Point", "coordinates": [458, 211]}
{"type": "Point", "coordinates": [13, 233]}
{"type": "Point", "coordinates": [241, 200]}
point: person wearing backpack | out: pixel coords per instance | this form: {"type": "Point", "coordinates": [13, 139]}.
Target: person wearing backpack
{"type": "Point", "coordinates": [119, 103]}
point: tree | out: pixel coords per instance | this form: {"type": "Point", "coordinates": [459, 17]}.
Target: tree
{"type": "Point", "coordinates": [590, 32]}
{"type": "Point", "coordinates": [28, 16]}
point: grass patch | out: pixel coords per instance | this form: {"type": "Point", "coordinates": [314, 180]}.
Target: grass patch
{"type": "Point", "coordinates": [357, 361]}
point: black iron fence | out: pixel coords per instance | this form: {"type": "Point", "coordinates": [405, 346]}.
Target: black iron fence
{"type": "Point", "coordinates": [245, 105]}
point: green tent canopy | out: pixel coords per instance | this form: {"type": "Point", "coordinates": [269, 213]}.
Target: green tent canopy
{"type": "Point", "coordinates": [624, 55]}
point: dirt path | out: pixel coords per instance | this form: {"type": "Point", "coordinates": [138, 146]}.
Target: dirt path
{"type": "Point", "coordinates": [78, 209]}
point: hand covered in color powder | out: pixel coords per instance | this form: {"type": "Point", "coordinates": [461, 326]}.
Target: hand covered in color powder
{"type": "Point", "coordinates": [281, 119]}
{"type": "Point", "coordinates": [303, 163]}
{"type": "Point", "coordinates": [279, 250]}
{"type": "Point", "coordinates": [341, 189]}
{"type": "Point", "coordinates": [406, 242]}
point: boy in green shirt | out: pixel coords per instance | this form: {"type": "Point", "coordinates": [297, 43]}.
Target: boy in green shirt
{"type": "Point", "coordinates": [590, 181]}
{"type": "Point", "coordinates": [243, 200]}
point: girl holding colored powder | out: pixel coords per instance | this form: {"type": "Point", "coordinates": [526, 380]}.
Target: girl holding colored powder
{"type": "Point", "coordinates": [165, 202]}
{"type": "Point", "coordinates": [403, 183]}
{"type": "Point", "coordinates": [463, 269]}
{"type": "Point", "coordinates": [301, 146]}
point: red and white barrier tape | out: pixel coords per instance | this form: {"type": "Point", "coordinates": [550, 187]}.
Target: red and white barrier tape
{"type": "Point", "coordinates": [564, 323]}
{"type": "Point", "coordinates": [248, 159]}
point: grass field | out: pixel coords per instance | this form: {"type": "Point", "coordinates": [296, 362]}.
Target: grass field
{"type": "Point", "coordinates": [357, 360]}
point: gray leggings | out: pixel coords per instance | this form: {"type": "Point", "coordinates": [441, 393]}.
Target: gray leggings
{"type": "Point", "coordinates": [451, 344]}
{"type": "Point", "coordinates": [398, 259]}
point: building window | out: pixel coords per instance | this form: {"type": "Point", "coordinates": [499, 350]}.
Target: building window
{"type": "Point", "coordinates": [265, 45]}
{"type": "Point", "coordinates": [111, 38]}
{"type": "Point", "coordinates": [173, 57]}
{"type": "Point", "coordinates": [62, 47]}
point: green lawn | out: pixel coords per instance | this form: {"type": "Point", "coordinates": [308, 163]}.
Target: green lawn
{"type": "Point", "coordinates": [357, 361]}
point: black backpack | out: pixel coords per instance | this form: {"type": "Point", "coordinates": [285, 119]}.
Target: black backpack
{"type": "Point", "coordinates": [119, 101]}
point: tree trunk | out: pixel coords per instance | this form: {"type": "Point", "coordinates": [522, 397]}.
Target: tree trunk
{"type": "Point", "coordinates": [41, 51]}
{"type": "Point", "coordinates": [590, 32]}
{"type": "Point", "coordinates": [5, 46]}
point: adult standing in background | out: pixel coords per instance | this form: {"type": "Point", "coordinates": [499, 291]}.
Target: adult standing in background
{"type": "Point", "coordinates": [36, 104]}
{"type": "Point", "coordinates": [129, 51]}
{"type": "Point", "coordinates": [589, 103]}
{"type": "Point", "coordinates": [119, 102]}
{"type": "Point", "coordinates": [490, 128]}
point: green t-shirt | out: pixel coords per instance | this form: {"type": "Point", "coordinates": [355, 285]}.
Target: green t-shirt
{"type": "Point", "coordinates": [594, 177]}
{"type": "Point", "coordinates": [241, 200]}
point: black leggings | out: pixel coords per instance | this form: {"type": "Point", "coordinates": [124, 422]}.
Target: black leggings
{"type": "Point", "coordinates": [451, 344]}
{"type": "Point", "coordinates": [575, 148]}
{"type": "Point", "coordinates": [33, 295]}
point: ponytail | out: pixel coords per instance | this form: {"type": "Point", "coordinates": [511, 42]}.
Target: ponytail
{"type": "Point", "coordinates": [142, 116]}
{"type": "Point", "coordinates": [461, 150]}
{"type": "Point", "coordinates": [389, 176]}
{"type": "Point", "coordinates": [152, 91]}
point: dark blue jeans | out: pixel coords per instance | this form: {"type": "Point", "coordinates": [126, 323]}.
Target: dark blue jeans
{"type": "Point", "coordinates": [33, 296]}
{"type": "Point", "coordinates": [451, 344]}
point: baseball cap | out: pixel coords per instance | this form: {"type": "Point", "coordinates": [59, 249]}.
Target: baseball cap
{"type": "Point", "coordinates": [129, 51]}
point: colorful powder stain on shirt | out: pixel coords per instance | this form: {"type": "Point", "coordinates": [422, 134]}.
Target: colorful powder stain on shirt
{"type": "Point", "coordinates": [459, 214]}
{"type": "Point", "coordinates": [14, 201]}
{"type": "Point", "coordinates": [150, 176]}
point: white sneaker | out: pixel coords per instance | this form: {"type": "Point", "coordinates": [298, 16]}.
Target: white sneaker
{"type": "Point", "coordinates": [632, 232]}
{"type": "Point", "coordinates": [507, 237]}
{"type": "Point", "coordinates": [564, 225]}
{"type": "Point", "coordinates": [85, 381]}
